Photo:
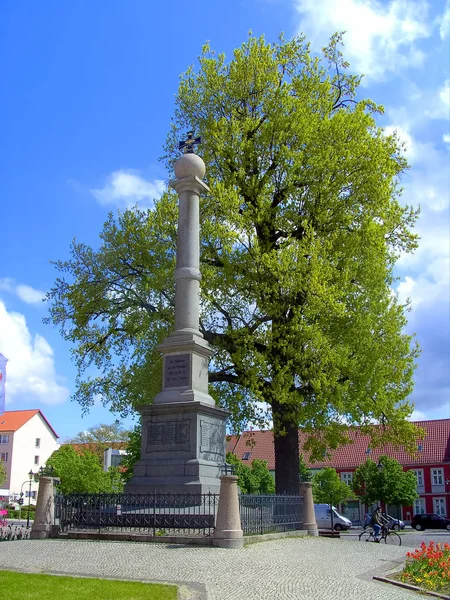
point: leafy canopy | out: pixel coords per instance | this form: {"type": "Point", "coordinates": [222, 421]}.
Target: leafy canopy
{"type": "Point", "coordinates": [82, 472]}
{"type": "Point", "coordinates": [388, 484]}
{"type": "Point", "coordinates": [254, 479]}
{"type": "Point", "coordinates": [328, 488]}
{"type": "Point", "coordinates": [299, 237]}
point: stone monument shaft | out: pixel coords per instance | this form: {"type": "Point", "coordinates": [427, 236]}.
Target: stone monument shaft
{"type": "Point", "coordinates": [183, 431]}
{"type": "Point", "coordinates": [187, 272]}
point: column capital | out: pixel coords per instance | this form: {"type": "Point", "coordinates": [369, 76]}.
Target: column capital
{"type": "Point", "coordinates": [191, 183]}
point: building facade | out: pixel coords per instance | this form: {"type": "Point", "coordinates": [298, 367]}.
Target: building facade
{"type": "Point", "coordinates": [26, 441]}
{"type": "Point", "coordinates": [430, 464]}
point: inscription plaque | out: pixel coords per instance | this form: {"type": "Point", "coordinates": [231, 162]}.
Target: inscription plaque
{"type": "Point", "coordinates": [212, 437]}
{"type": "Point", "coordinates": [177, 370]}
{"type": "Point", "coordinates": [168, 436]}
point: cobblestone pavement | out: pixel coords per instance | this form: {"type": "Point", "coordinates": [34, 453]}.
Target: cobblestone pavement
{"type": "Point", "coordinates": [288, 569]}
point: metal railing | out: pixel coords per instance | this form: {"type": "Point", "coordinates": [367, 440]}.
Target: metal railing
{"type": "Point", "coordinates": [153, 514]}
{"type": "Point", "coordinates": [270, 513]}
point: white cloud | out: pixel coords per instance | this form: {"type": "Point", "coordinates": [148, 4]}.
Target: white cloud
{"type": "Point", "coordinates": [29, 294]}
{"type": "Point", "coordinates": [30, 369]}
{"type": "Point", "coordinates": [25, 292]}
{"type": "Point", "coordinates": [444, 94]}
{"type": "Point", "coordinates": [444, 29]}
{"type": "Point", "coordinates": [127, 187]}
{"type": "Point", "coordinates": [380, 37]}
{"type": "Point", "coordinates": [404, 135]}
{"type": "Point", "coordinates": [446, 138]}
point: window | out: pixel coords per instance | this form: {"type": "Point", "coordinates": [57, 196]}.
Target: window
{"type": "Point", "coordinates": [36, 460]}
{"type": "Point", "coordinates": [439, 506]}
{"type": "Point", "coordinates": [437, 476]}
{"type": "Point", "coordinates": [246, 455]}
{"type": "Point", "coordinates": [4, 456]}
{"type": "Point", "coordinates": [37, 443]}
{"type": "Point", "coordinates": [419, 506]}
{"type": "Point", "coordinates": [419, 476]}
{"type": "Point", "coordinates": [347, 478]}
{"type": "Point", "coordinates": [4, 439]}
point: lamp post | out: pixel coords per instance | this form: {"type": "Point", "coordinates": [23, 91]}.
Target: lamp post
{"type": "Point", "coordinates": [380, 468]}
{"type": "Point", "coordinates": [30, 477]}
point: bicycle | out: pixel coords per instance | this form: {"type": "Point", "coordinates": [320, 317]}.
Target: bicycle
{"type": "Point", "coordinates": [387, 535]}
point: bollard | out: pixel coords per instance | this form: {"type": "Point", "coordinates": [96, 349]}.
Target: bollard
{"type": "Point", "coordinates": [228, 532]}
{"type": "Point", "coordinates": [308, 514]}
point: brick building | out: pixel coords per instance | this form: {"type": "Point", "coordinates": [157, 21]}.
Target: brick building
{"type": "Point", "coordinates": [430, 463]}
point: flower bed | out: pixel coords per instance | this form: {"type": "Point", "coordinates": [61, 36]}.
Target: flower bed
{"type": "Point", "coordinates": [428, 567]}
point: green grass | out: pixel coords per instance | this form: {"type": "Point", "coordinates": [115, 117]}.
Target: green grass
{"type": "Point", "coordinates": [25, 586]}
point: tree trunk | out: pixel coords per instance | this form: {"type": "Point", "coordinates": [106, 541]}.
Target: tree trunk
{"type": "Point", "coordinates": [286, 457]}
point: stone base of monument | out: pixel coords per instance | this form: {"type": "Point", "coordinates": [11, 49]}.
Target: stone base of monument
{"type": "Point", "coordinates": [183, 449]}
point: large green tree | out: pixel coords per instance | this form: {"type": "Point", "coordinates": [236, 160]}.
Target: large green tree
{"type": "Point", "coordinates": [386, 482]}
{"type": "Point", "coordinates": [328, 488]}
{"type": "Point", "coordinates": [299, 237]}
{"type": "Point", "coordinates": [253, 479]}
{"type": "Point", "coordinates": [80, 472]}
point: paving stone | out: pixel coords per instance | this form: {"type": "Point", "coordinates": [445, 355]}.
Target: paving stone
{"type": "Point", "coordinates": [287, 569]}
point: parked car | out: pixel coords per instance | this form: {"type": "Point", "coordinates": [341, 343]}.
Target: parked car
{"type": "Point", "coordinates": [430, 521]}
{"type": "Point", "coordinates": [323, 518]}
{"type": "Point", "coordinates": [393, 522]}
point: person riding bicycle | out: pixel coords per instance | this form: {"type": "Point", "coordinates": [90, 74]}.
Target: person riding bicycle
{"type": "Point", "coordinates": [377, 521]}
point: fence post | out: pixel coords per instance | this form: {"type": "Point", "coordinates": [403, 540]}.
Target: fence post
{"type": "Point", "coordinates": [228, 532]}
{"type": "Point", "coordinates": [308, 515]}
{"type": "Point", "coordinates": [44, 519]}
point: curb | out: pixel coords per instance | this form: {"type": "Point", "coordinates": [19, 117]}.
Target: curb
{"type": "Point", "coordinates": [408, 586]}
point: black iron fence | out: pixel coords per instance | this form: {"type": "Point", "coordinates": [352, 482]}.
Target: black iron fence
{"type": "Point", "coordinates": [153, 514]}
{"type": "Point", "coordinates": [270, 513]}
{"type": "Point", "coordinates": [173, 514]}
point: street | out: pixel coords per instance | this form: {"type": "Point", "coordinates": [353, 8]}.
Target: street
{"type": "Point", "coordinates": [410, 537]}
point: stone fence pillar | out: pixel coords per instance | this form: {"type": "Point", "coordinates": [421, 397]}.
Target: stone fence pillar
{"type": "Point", "coordinates": [308, 514]}
{"type": "Point", "coordinates": [45, 510]}
{"type": "Point", "coordinates": [228, 532]}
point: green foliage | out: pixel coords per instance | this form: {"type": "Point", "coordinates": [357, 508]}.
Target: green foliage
{"type": "Point", "coordinates": [254, 479]}
{"type": "Point", "coordinates": [100, 437]}
{"type": "Point", "coordinates": [133, 452]}
{"type": "Point", "coordinates": [329, 489]}
{"type": "Point", "coordinates": [82, 472]}
{"type": "Point", "coordinates": [303, 471]}
{"type": "Point", "coordinates": [390, 484]}
{"type": "Point", "coordinates": [299, 238]}
{"type": "Point", "coordinates": [2, 473]}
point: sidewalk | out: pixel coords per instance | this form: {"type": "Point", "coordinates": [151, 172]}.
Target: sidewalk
{"type": "Point", "coordinates": [289, 569]}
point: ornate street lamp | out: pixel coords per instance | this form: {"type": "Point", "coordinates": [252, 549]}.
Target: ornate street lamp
{"type": "Point", "coordinates": [380, 467]}
{"type": "Point", "coordinates": [30, 477]}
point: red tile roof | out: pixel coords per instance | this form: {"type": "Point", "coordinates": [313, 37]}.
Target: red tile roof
{"type": "Point", "coordinates": [231, 442]}
{"type": "Point", "coordinates": [435, 448]}
{"type": "Point", "coordinates": [12, 420]}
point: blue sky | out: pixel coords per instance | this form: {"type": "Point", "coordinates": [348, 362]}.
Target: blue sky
{"type": "Point", "coordinates": [88, 92]}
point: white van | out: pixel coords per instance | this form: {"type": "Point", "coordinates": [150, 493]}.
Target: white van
{"type": "Point", "coordinates": [323, 518]}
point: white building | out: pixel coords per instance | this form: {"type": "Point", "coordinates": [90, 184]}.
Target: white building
{"type": "Point", "coordinates": [26, 441]}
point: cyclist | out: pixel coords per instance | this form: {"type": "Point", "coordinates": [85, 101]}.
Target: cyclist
{"type": "Point", "coordinates": [377, 521]}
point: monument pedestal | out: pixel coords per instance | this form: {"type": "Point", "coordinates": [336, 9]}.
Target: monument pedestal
{"type": "Point", "coordinates": [183, 449]}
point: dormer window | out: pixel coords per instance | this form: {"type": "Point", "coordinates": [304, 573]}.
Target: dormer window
{"type": "Point", "coordinates": [246, 455]}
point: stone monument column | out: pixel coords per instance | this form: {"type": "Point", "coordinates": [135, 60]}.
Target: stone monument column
{"type": "Point", "coordinates": [183, 432]}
